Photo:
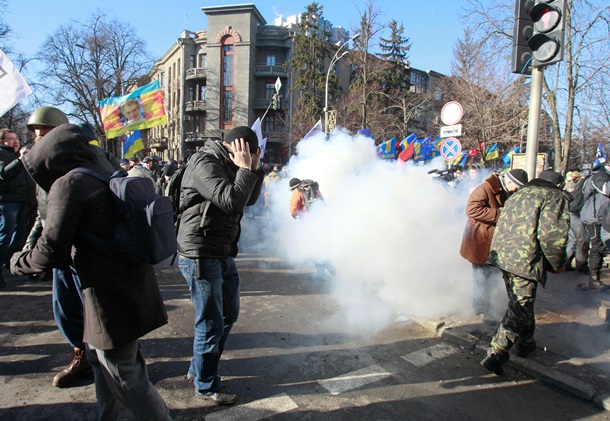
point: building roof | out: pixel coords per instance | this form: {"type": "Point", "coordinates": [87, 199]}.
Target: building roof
{"type": "Point", "coordinates": [212, 10]}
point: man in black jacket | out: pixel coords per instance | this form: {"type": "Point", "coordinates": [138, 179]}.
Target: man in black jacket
{"type": "Point", "coordinates": [13, 198]}
{"type": "Point", "coordinates": [218, 184]}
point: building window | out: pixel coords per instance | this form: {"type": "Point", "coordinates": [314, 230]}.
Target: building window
{"type": "Point", "coordinates": [192, 93]}
{"type": "Point", "coordinates": [418, 83]}
{"type": "Point", "coordinates": [269, 124]}
{"type": "Point", "coordinates": [202, 92]}
{"type": "Point", "coordinates": [227, 70]}
{"type": "Point", "coordinates": [193, 60]}
{"type": "Point", "coordinates": [271, 58]}
{"type": "Point", "coordinates": [162, 79]}
{"type": "Point", "coordinates": [269, 89]}
{"type": "Point", "coordinates": [202, 59]}
{"type": "Point", "coordinates": [227, 107]}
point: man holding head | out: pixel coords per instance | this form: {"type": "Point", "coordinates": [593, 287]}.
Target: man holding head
{"type": "Point", "coordinates": [219, 182]}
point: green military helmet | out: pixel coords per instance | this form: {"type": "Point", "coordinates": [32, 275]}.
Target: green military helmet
{"type": "Point", "coordinates": [47, 116]}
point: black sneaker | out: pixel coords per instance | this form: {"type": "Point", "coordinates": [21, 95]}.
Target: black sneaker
{"type": "Point", "coordinates": [523, 349]}
{"type": "Point", "coordinates": [221, 396]}
{"type": "Point", "coordinates": [493, 362]}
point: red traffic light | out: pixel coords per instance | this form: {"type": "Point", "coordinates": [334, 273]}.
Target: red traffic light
{"type": "Point", "coordinates": [545, 17]}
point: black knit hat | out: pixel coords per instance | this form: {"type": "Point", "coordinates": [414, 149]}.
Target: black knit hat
{"type": "Point", "coordinates": [247, 134]}
{"type": "Point", "coordinates": [294, 183]}
{"type": "Point", "coordinates": [517, 176]}
{"type": "Point", "coordinates": [552, 177]}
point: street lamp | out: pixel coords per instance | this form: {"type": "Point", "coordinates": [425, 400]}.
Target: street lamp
{"type": "Point", "coordinates": [335, 59]}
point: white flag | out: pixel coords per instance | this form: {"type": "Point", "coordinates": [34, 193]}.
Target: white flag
{"type": "Point", "coordinates": [317, 128]}
{"type": "Point", "coordinates": [13, 88]}
{"type": "Point", "coordinates": [256, 128]}
{"type": "Point", "coordinates": [263, 147]}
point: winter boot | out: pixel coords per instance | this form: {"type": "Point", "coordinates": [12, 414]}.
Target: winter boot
{"type": "Point", "coordinates": [523, 349]}
{"type": "Point", "coordinates": [494, 362]}
{"type": "Point", "coordinates": [78, 368]}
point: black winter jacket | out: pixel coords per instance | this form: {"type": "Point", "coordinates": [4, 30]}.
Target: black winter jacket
{"type": "Point", "coordinates": [214, 194]}
{"type": "Point", "coordinates": [122, 299]}
{"type": "Point", "coordinates": [13, 178]}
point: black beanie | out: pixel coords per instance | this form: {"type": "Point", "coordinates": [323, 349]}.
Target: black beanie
{"type": "Point", "coordinates": [246, 133]}
{"type": "Point", "coordinates": [552, 177]}
{"type": "Point", "coordinates": [517, 176]}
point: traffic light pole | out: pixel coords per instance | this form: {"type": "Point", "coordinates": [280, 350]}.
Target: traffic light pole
{"type": "Point", "coordinates": [533, 125]}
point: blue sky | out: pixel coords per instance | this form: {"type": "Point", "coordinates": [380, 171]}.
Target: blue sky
{"type": "Point", "coordinates": [432, 27]}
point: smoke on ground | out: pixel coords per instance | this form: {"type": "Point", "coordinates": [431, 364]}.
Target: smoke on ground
{"type": "Point", "coordinates": [393, 235]}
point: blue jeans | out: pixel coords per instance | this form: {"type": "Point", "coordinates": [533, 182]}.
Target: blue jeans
{"type": "Point", "coordinates": [13, 228]}
{"type": "Point", "coordinates": [68, 304]}
{"type": "Point", "coordinates": [214, 288]}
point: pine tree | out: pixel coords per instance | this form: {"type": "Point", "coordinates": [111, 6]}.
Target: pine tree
{"type": "Point", "coordinates": [308, 64]}
{"type": "Point", "coordinates": [394, 50]}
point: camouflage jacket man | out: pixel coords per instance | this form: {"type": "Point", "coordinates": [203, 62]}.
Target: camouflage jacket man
{"type": "Point", "coordinates": [532, 232]}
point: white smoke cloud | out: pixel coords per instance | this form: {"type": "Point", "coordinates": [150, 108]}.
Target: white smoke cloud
{"type": "Point", "coordinates": [393, 235]}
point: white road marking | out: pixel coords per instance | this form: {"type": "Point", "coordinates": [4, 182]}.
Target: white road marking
{"type": "Point", "coordinates": [256, 410]}
{"type": "Point", "coordinates": [427, 355]}
{"type": "Point", "coordinates": [354, 380]}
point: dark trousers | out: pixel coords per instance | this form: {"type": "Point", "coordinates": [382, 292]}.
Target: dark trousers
{"type": "Point", "coordinates": [519, 322]}
{"type": "Point", "coordinates": [597, 249]}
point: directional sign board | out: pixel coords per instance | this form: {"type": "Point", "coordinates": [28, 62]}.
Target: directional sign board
{"type": "Point", "coordinates": [278, 85]}
{"type": "Point", "coordinates": [451, 148]}
{"type": "Point", "coordinates": [447, 131]}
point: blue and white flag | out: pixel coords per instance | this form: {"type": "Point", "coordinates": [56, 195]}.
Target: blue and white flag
{"type": "Point", "coordinates": [600, 155]}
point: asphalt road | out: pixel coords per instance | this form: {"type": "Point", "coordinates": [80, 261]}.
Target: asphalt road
{"type": "Point", "coordinates": [290, 356]}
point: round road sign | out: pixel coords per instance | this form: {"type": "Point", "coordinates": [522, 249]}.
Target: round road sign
{"type": "Point", "coordinates": [452, 113]}
{"type": "Point", "coordinates": [451, 148]}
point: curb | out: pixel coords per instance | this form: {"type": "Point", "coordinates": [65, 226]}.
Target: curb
{"type": "Point", "coordinates": [548, 375]}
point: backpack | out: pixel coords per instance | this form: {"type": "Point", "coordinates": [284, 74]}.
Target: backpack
{"type": "Point", "coordinates": [309, 192]}
{"type": "Point", "coordinates": [144, 230]}
{"type": "Point", "coordinates": [172, 190]}
{"type": "Point", "coordinates": [578, 197]}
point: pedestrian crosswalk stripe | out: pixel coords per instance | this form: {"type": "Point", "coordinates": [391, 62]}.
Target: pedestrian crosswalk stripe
{"type": "Point", "coordinates": [430, 354]}
{"type": "Point", "coordinates": [255, 410]}
{"type": "Point", "coordinates": [354, 380]}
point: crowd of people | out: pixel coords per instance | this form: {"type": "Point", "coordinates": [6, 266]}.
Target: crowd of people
{"type": "Point", "coordinates": [525, 228]}
{"type": "Point", "coordinates": [516, 227]}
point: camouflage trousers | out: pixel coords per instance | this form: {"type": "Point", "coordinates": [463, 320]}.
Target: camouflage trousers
{"type": "Point", "coordinates": [519, 322]}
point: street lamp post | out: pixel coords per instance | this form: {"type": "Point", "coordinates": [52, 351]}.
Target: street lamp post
{"type": "Point", "coordinates": [335, 59]}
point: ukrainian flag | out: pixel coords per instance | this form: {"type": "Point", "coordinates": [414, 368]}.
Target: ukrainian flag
{"type": "Point", "coordinates": [133, 144]}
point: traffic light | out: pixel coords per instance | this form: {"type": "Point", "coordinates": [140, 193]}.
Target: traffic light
{"type": "Point", "coordinates": [274, 102]}
{"type": "Point", "coordinates": [547, 40]}
{"type": "Point", "coordinates": [523, 30]}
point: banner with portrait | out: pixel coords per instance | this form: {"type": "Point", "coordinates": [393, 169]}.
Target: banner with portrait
{"type": "Point", "coordinates": [140, 109]}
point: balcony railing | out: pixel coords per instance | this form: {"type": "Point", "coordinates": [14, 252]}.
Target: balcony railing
{"type": "Point", "coordinates": [194, 137]}
{"type": "Point", "coordinates": [196, 73]}
{"type": "Point", "coordinates": [263, 103]}
{"type": "Point", "coordinates": [266, 70]}
{"type": "Point", "coordinates": [271, 32]}
{"type": "Point", "coordinates": [190, 106]}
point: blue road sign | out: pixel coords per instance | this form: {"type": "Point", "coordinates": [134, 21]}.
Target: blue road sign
{"type": "Point", "coordinates": [451, 148]}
